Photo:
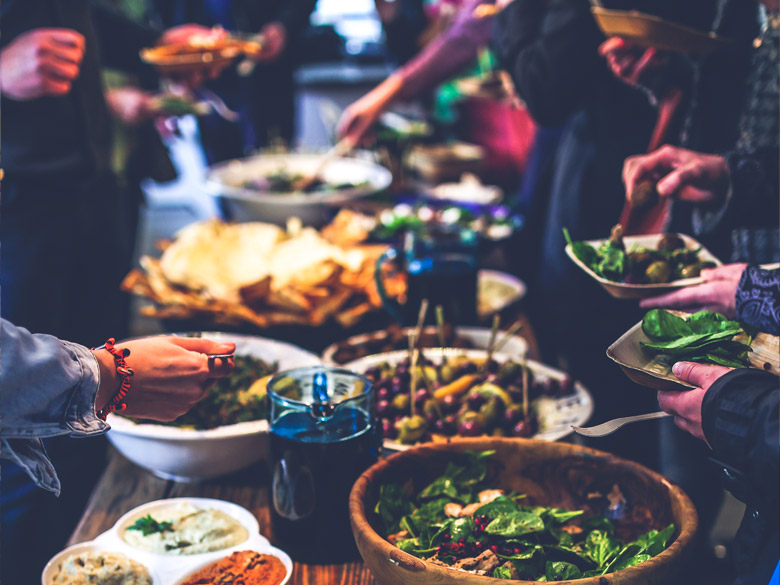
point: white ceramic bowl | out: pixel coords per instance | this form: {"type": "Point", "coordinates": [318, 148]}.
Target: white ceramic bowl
{"type": "Point", "coordinates": [226, 181]}
{"type": "Point", "coordinates": [52, 566]}
{"type": "Point", "coordinates": [479, 337]}
{"type": "Point", "coordinates": [195, 455]}
{"type": "Point", "coordinates": [556, 415]}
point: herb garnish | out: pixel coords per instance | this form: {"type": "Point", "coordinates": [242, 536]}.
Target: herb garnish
{"type": "Point", "coordinates": [148, 525]}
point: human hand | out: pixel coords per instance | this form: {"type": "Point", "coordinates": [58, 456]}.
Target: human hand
{"type": "Point", "coordinates": [170, 375]}
{"type": "Point", "coordinates": [717, 293]}
{"type": "Point", "coordinates": [130, 105]}
{"type": "Point", "coordinates": [41, 62]}
{"type": "Point", "coordinates": [356, 121]}
{"type": "Point", "coordinates": [686, 405]}
{"type": "Point", "coordinates": [194, 34]}
{"type": "Point", "coordinates": [273, 43]}
{"type": "Point", "coordinates": [685, 174]}
{"type": "Point", "coordinates": [629, 62]}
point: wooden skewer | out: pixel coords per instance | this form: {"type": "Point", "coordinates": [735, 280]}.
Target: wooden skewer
{"type": "Point", "coordinates": [492, 343]}
{"type": "Point", "coordinates": [440, 325]}
{"type": "Point", "coordinates": [517, 326]}
{"type": "Point", "coordinates": [525, 387]}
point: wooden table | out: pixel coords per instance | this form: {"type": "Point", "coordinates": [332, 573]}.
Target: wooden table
{"type": "Point", "coordinates": [124, 486]}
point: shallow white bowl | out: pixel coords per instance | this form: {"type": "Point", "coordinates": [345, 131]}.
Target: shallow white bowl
{"type": "Point", "coordinates": [194, 455]}
{"type": "Point", "coordinates": [51, 567]}
{"type": "Point", "coordinates": [241, 203]}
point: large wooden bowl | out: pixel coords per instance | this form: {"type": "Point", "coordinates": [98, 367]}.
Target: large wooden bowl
{"type": "Point", "coordinates": [551, 474]}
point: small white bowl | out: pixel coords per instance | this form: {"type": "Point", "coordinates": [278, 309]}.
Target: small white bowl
{"type": "Point", "coordinates": [51, 567]}
{"type": "Point", "coordinates": [239, 513]}
{"type": "Point", "coordinates": [267, 550]}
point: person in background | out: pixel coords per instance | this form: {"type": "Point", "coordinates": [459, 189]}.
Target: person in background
{"type": "Point", "coordinates": [66, 244]}
{"type": "Point", "coordinates": [264, 98]}
{"type": "Point", "coordinates": [441, 59]}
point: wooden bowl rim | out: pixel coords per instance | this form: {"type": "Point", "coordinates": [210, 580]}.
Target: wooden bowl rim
{"type": "Point", "coordinates": [360, 523]}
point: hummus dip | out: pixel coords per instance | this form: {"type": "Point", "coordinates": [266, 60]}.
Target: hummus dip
{"type": "Point", "coordinates": [192, 531]}
{"type": "Point", "coordinates": [100, 568]}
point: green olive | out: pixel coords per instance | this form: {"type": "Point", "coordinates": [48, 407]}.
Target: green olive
{"type": "Point", "coordinates": [658, 272]}
{"type": "Point", "coordinates": [412, 429]}
{"type": "Point", "coordinates": [670, 242]}
{"type": "Point", "coordinates": [509, 370]}
{"type": "Point", "coordinates": [492, 410]}
{"type": "Point", "coordinates": [401, 402]}
{"type": "Point", "coordinates": [644, 194]}
{"type": "Point", "coordinates": [430, 408]}
{"type": "Point", "coordinates": [498, 432]}
{"type": "Point", "coordinates": [447, 373]}
{"type": "Point", "coordinates": [690, 271]}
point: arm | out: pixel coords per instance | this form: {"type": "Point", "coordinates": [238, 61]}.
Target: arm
{"type": "Point", "coordinates": [758, 299]}
{"type": "Point", "coordinates": [740, 420]}
{"type": "Point", "coordinates": [551, 51]}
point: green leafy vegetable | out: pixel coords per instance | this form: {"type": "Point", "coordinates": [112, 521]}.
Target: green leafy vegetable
{"type": "Point", "coordinates": [148, 525]}
{"type": "Point", "coordinates": [515, 524]}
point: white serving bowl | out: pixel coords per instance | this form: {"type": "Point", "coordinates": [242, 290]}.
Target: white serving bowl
{"type": "Point", "coordinates": [556, 414]}
{"type": "Point", "coordinates": [51, 567]}
{"type": "Point", "coordinates": [195, 455]}
{"type": "Point", "coordinates": [226, 180]}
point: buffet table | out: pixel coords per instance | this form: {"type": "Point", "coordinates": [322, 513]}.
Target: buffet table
{"type": "Point", "coordinates": [124, 486]}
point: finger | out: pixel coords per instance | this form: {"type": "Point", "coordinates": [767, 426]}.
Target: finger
{"type": "Point", "coordinates": [53, 86]}
{"type": "Point", "coordinates": [219, 366]}
{"type": "Point", "coordinates": [623, 63]}
{"type": "Point", "coordinates": [59, 69]}
{"type": "Point", "coordinates": [66, 37]}
{"type": "Point", "coordinates": [668, 401]}
{"type": "Point", "coordinates": [64, 53]}
{"type": "Point", "coordinates": [203, 345]}
{"type": "Point", "coordinates": [685, 175]}
{"type": "Point", "coordinates": [637, 168]}
{"type": "Point", "coordinates": [695, 195]}
{"type": "Point", "coordinates": [727, 272]}
{"type": "Point", "coordinates": [700, 375]}
{"type": "Point", "coordinates": [610, 45]}
{"type": "Point", "coordinates": [645, 62]}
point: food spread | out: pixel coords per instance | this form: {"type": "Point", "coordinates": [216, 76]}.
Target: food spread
{"type": "Point", "coordinates": [100, 568]}
{"type": "Point", "coordinates": [244, 567]}
{"type": "Point", "coordinates": [185, 529]}
{"type": "Point", "coordinates": [461, 521]}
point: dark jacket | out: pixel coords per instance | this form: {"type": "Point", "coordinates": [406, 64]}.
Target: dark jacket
{"type": "Point", "coordinates": [740, 415]}
{"type": "Point", "coordinates": [67, 136]}
{"type": "Point", "coordinates": [758, 299]}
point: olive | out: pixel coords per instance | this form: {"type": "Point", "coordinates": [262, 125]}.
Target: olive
{"type": "Point", "coordinates": [383, 394]}
{"type": "Point", "coordinates": [498, 432]}
{"type": "Point", "coordinates": [638, 263]}
{"type": "Point", "coordinates": [475, 400]}
{"type": "Point", "coordinates": [388, 429]}
{"type": "Point", "coordinates": [492, 366]}
{"type": "Point", "coordinates": [401, 402]}
{"type": "Point", "coordinates": [383, 408]}
{"type": "Point", "coordinates": [412, 429]}
{"type": "Point", "coordinates": [396, 385]}
{"type": "Point", "coordinates": [566, 386]}
{"type": "Point", "coordinates": [492, 410]}
{"type": "Point", "coordinates": [690, 271]}
{"type": "Point", "coordinates": [449, 403]}
{"type": "Point", "coordinates": [708, 264]}
{"type": "Point", "coordinates": [616, 237]}
{"type": "Point", "coordinates": [430, 408]}
{"type": "Point", "coordinates": [421, 396]}
{"type": "Point", "coordinates": [515, 393]}
{"type": "Point", "coordinates": [451, 420]}
{"type": "Point", "coordinates": [513, 415]}
{"type": "Point", "coordinates": [670, 242]}
{"type": "Point", "coordinates": [509, 370]}
{"type": "Point", "coordinates": [644, 194]}
{"type": "Point", "coordinates": [523, 429]}
{"type": "Point", "coordinates": [469, 428]}
{"type": "Point", "coordinates": [441, 427]}
{"type": "Point", "coordinates": [685, 256]}
{"type": "Point", "coordinates": [658, 272]}
{"type": "Point", "coordinates": [447, 373]}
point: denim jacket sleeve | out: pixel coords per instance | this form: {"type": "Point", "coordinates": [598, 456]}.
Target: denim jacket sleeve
{"type": "Point", "coordinates": [47, 388]}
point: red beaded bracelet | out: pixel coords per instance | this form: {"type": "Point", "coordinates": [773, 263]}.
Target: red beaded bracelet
{"type": "Point", "coordinates": [124, 372]}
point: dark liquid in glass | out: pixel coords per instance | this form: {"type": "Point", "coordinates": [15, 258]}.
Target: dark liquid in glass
{"type": "Point", "coordinates": [449, 280]}
{"type": "Point", "coordinates": [313, 469]}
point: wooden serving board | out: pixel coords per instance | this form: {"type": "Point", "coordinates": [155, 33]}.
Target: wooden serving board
{"type": "Point", "coordinates": [655, 371]}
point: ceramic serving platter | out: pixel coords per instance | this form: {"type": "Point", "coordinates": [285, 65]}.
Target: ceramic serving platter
{"type": "Point", "coordinates": [655, 371]}
{"type": "Point", "coordinates": [622, 290]}
{"type": "Point", "coordinates": [556, 414]}
{"type": "Point", "coordinates": [172, 569]}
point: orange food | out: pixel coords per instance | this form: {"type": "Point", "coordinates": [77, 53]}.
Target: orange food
{"type": "Point", "coordinates": [243, 567]}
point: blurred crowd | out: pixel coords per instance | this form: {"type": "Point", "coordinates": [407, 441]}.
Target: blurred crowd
{"type": "Point", "coordinates": [599, 116]}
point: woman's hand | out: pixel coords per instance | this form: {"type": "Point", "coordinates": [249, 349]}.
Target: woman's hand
{"type": "Point", "coordinates": [686, 405]}
{"type": "Point", "coordinates": [170, 375]}
{"type": "Point", "coordinates": [358, 119]}
{"type": "Point", "coordinates": [629, 62]}
{"type": "Point", "coordinates": [41, 62]}
{"type": "Point", "coordinates": [685, 174]}
{"type": "Point", "coordinates": [273, 43]}
{"type": "Point", "coordinates": [717, 293]}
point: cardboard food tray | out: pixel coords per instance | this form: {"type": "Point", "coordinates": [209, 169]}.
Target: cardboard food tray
{"type": "Point", "coordinates": [622, 290]}
{"type": "Point", "coordinates": [655, 371]}
{"type": "Point", "coordinates": [647, 30]}
{"type": "Point", "coordinates": [173, 569]}
{"type": "Point", "coordinates": [175, 59]}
